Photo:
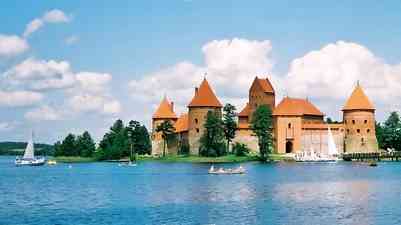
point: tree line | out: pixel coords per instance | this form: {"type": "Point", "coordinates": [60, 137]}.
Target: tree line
{"type": "Point", "coordinates": [388, 134]}
{"type": "Point", "coordinates": [117, 143]}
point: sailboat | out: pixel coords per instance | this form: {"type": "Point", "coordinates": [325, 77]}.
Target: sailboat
{"type": "Point", "coordinates": [29, 158]}
{"type": "Point", "coordinates": [311, 156]}
{"type": "Point", "coordinates": [331, 146]}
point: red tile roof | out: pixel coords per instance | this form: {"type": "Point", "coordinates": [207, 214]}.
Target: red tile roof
{"type": "Point", "coordinates": [265, 84]}
{"type": "Point", "coordinates": [205, 97]}
{"type": "Point", "coordinates": [245, 111]}
{"type": "Point", "coordinates": [358, 100]}
{"type": "Point", "coordinates": [165, 110]}
{"type": "Point", "coordinates": [296, 107]}
{"type": "Point", "coordinates": [182, 123]}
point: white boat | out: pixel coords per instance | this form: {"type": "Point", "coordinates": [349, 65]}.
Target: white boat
{"type": "Point", "coordinates": [129, 163]}
{"type": "Point", "coordinates": [29, 158]}
{"type": "Point", "coordinates": [239, 170]}
{"type": "Point", "coordinates": [311, 156]}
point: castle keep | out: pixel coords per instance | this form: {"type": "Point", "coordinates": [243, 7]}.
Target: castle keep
{"type": "Point", "coordinates": [298, 125]}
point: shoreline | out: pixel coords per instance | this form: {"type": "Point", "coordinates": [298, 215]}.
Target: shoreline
{"type": "Point", "coordinates": [176, 159]}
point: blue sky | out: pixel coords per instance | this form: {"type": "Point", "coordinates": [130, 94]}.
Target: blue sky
{"type": "Point", "coordinates": [133, 42]}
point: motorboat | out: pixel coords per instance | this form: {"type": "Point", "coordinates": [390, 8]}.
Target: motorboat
{"type": "Point", "coordinates": [29, 159]}
{"type": "Point", "coordinates": [239, 170]}
{"type": "Point", "coordinates": [129, 163]}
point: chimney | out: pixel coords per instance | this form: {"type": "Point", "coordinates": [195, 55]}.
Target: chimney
{"type": "Point", "coordinates": [196, 91]}
{"type": "Point", "coordinates": [172, 106]}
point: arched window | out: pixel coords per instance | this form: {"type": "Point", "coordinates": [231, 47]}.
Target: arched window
{"type": "Point", "coordinates": [353, 121]}
{"type": "Point", "coordinates": [358, 131]}
{"type": "Point", "coordinates": [197, 130]}
{"type": "Point", "coordinates": [368, 131]}
{"type": "Point", "coordinates": [366, 121]}
{"type": "Point", "coordinates": [347, 131]}
{"type": "Point", "coordinates": [196, 121]}
{"type": "Point", "coordinates": [289, 125]}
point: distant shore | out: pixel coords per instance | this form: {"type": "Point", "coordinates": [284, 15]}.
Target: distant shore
{"type": "Point", "coordinates": [178, 158]}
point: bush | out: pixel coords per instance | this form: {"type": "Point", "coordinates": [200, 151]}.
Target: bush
{"type": "Point", "coordinates": [184, 149]}
{"type": "Point", "coordinates": [240, 149]}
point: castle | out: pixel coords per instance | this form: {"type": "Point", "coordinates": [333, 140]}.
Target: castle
{"type": "Point", "coordinates": [298, 125]}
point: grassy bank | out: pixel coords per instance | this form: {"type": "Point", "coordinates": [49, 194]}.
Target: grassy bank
{"type": "Point", "coordinates": [180, 158]}
{"type": "Point", "coordinates": [73, 159]}
{"type": "Point", "coordinates": [200, 159]}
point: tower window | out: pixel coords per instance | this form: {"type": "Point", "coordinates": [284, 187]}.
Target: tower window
{"type": "Point", "coordinates": [197, 130]}
{"type": "Point", "coordinates": [358, 131]}
{"type": "Point", "coordinates": [366, 121]}
{"type": "Point", "coordinates": [289, 125]}
{"type": "Point", "coordinates": [196, 121]}
{"type": "Point", "coordinates": [353, 121]}
{"type": "Point", "coordinates": [362, 140]}
{"type": "Point", "coordinates": [345, 121]}
{"type": "Point", "coordinates": [368, 131]}
{"type": "Point", "coordinates": [347, 131]}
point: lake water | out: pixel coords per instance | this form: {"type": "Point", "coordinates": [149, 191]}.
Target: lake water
{"type": "Point", "coordinates": [180, 193]}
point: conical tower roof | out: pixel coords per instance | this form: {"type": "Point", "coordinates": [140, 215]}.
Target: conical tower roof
{"type": "Point", "coordinates": [204, 97]}
{"type": "Point", "coordinates": [165, 110]}
{"type": "Point", "coordinates": [358, 100]}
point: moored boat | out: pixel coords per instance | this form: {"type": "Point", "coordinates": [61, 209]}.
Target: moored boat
{"type": "Point", "coordinates": [29, 159]}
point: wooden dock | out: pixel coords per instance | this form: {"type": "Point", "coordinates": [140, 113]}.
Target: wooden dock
{"type": "Point", "coordinates": [377, 156]}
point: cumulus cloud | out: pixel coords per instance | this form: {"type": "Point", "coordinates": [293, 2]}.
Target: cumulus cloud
{"type": "Point", "coordinates": [19, 98]}
{"type": "Point", "coordinates": [41, 75]}
{"type": "Point", "coordinates": [12, 45]}
{"type": "Point", "coordinates": [94, 103]}
{"type": "Point", "coordinates": [44, 113]}
{"type": "Point", "coordinates": [53, 16]}
{"type": "Point", "coordinates": [332, 73]}
{"type": "Point", "coordinates": [231, 65]}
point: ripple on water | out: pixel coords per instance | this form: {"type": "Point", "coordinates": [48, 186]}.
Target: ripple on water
{"type": "Point", "coordinates": [176, 193]}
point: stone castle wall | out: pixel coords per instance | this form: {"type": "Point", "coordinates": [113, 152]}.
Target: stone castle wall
{"type": "Point", "coordinates": [360, 134]}
{"type": "Point", "coordinates": [197, 118]}
{"type": "Point", "coordinates": [246, 136]}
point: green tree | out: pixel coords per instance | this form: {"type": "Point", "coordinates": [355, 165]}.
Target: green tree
{"type": "Point", "coordinates": [68, 146]}
{"type": "Point", "coordinates": [391, 134]}
{"type": "Point", "coordinates": [212, 140]}
{"type": "Point", "coordinates": [58, 151]}
{"type": "Point", "coordinates": [167, 130]}
{"type": "Point", "coordinates": [115, 143]}
{"type": "Point", "coordinates": [261, 125]}
{"type": "Point", "coordinates": [229, 123]}
{"type": "Point", "coordinates": [85, 145]}
{"type": "Point", "coordinates": [380, 134]}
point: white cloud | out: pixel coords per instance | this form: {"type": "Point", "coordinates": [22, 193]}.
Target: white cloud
{"type": "Point", "coordinates": [94, 103]}
{"type": "Point", "coordinates": [43, 113]}
{"type": "Point", "coordinates": [12, 45]}
{"type": "Point", "coordinates": [53, 16]}
{"type": "Point", "coordinates": [231, 65]}
{"type": "Point", "coordinates": [19, 98]}
{"type": "Point", "coordinates": [41, 75]}
{"type": "Point", "coordinates": [93, 82]}
{"type": "Point", "coordinates": [71, 40]}
{"type": "Point", "coordinates": [332, 72]}
{"type": "Point", "coordinates": [56, 16]}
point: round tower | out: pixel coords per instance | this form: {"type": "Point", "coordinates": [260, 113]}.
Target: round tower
{"type": "Point", "coordinates": [164, 112]}
{"type": "Point", "coordinates": [203, 101]}
{"type": "Point", "coordinates": [359, 122]}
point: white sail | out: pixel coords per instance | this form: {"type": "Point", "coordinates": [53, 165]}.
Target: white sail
{"type": "Point", "coordinates": [29, 150]}
{"type": "Point", "coordinates": [332, 150]}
